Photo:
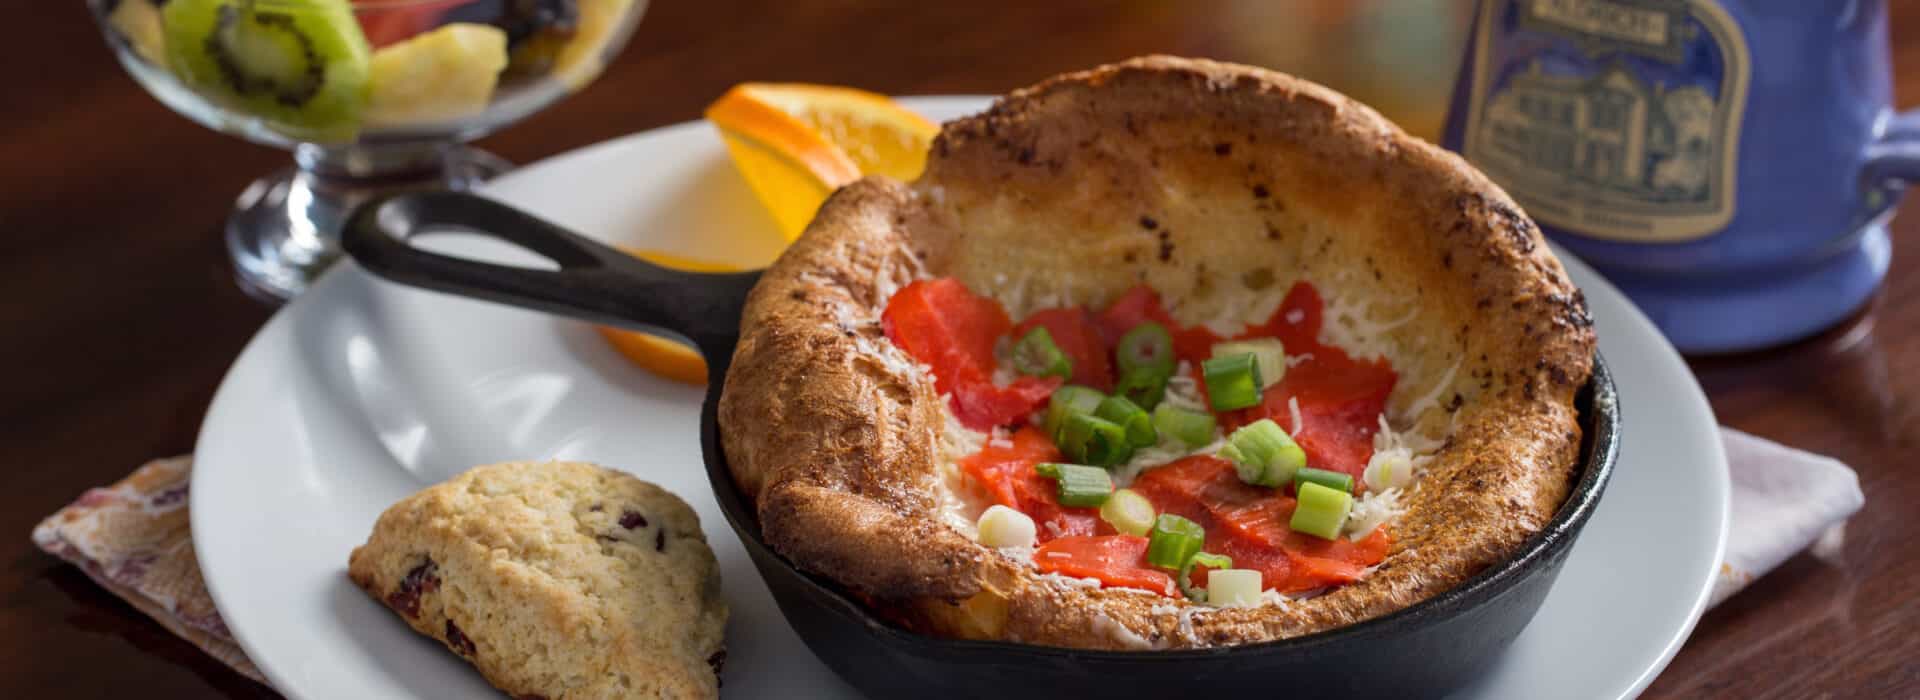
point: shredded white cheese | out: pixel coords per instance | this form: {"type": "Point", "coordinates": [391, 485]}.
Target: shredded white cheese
{"type": "Point", "coordinates": [1386, 438]}
{"type": "Point", "coordinates": [1069, 581]}
{"type": "Point", "coordinates": [1257, 308]}
{"type": "Point", "coordinates": [1293, 408]}
{"type": "Point", "coordinates": [954, 443]}
{"type": "Point", "coordinates": [1019, 300]}
{"type": "Point", "coordinates": [1118, 632]}
{"type": "Point", "coordinates": [1431, 399]}
{"type": "Point", "coordinates": [1024, 555]}
{"type": "Point", "coordinates": [1183, 391]}
{"type": "Point", "coordinates": [1275, 598]}
{"type": "Point", "coordinates": [1004, 376]}
{"type": "Point", "coordinates": [1168, 450]}
{"type": "Point", "coordinates": [886, 278]}
{"type": "Point", "coordinates": [1396, 461]}
{"type": "Point", "coordinates": [957, 440]}
{"type": "Point", "coordinates": [1371, 511]}
{"type": "Point", "coordinates": [873, 345]}
{"type": "Point", "coordinates": [1185, 620]}
{"type": "Point", "coordinates": [1183, 623]}
{"type": "Point", "coordinates": [1345, 325]}
{"type": "Point", "coordinates": [1013, 296]}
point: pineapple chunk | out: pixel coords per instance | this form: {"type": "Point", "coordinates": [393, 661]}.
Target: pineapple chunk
{"type": "Point", "coordinates": [441, 75]}
{"type": "Point", "coordinates": [138, 21]}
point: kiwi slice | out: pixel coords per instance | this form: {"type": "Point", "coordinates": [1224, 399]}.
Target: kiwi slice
{"type": "Point", "coordinates": [299, 65]}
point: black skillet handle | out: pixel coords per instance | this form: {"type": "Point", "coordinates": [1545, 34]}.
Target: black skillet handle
{"type": "Point", "coordinates": [594, 283]}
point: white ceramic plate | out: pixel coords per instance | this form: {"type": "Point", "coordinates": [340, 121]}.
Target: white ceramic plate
{"type": "Point", "coordinates": [361, 392]}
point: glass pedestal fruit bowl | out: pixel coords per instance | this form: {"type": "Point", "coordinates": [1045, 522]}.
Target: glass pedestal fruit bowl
{"type": "Point", "coordinates": [371, 96]}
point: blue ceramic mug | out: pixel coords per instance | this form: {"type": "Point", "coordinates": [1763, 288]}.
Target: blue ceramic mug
{"type": "Point", "coordinates": [1730, 164]}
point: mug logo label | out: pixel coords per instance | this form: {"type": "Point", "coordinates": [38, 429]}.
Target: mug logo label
{"type": "Point", "coordinates": [1615, 119]}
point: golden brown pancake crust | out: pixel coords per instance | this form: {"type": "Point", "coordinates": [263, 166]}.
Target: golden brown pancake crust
{"type": "Point", "coordinates": [1215, 184]}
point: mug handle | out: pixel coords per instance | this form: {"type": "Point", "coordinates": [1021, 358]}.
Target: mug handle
{"type": "Point", "coordinates": [1895, 155]}
{"type": "Point", "coordinates": [594, 282]}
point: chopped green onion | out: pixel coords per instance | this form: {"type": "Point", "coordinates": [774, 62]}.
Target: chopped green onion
{"type": "Point", "coordinates": [1263, 454]}
{"type": "Point", "coordinates": [1080, 485]}
{"type": "Point", "coordinates": [1321, 512]}
{"type": "Point", "coordinates": [1036, 355]}
{"type": "Point", "coordinates": [1093, 440]}
{"type": "Point", "coordinates": [1146, 346]}
{"type": "Point", "coordinates": [1144, 386]}
{"type": "Point", "coordinates": [1069, 400]}
{"type": "Point", "coordinates": [1173, 541]}
{"type": "Point", "coordinates": [1234, 588]}
{"type": "Point", "coordinates": [1132, 418]}
{"type": "Point", "coordinates": [1338, 481]}
{"type": "Point", "coordinates": [1128, 512]}
{"type": "Point", "coordinates": [1233, 381]}
{"type": "Point", "coordinates": [1251, 469]}
{"type": "Point", "coordinates": [1194, 428]}
{"type": "Point", "coordinates": [1268, 353]}
{"type": "Point", "coordinates": [1211, 561]}
{"type": "Point", "coordinates": [1001, 526]}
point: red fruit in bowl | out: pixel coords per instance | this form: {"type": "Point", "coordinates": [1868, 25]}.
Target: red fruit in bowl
{"type": "Point", "coordinates": [392, 21]}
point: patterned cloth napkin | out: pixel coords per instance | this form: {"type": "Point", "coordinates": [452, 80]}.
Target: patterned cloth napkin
{"type": "Point", "coordinates": [132, 537]}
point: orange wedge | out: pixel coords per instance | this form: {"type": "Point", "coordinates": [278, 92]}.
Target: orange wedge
{"type": "Point", "coordinates": [662, 356]}
{"type": "Point", "coordinates": [796, 143]}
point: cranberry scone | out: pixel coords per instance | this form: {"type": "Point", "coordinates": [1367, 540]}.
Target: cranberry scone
{"type": "Point", "coordinates": [558, 580]}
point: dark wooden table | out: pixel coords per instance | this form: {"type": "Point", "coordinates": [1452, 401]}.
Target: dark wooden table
{"type": "Point", "coordinates": [120, 315]}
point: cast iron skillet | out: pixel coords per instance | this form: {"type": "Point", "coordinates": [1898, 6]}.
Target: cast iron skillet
{"type": "Point", "coordinates": [1423, 650]}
